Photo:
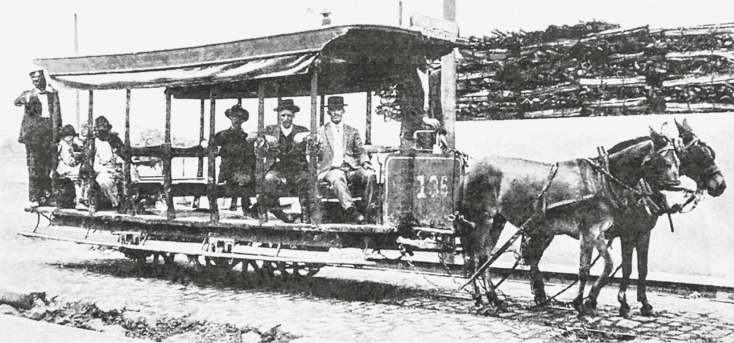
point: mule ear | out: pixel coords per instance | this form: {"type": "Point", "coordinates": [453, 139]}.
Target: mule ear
{"type": "Point", "coordinates": [687, 128]}
{"type": "Point", "coordinates": [656, 137]}
{"type": "Point", "coordinates": [665, 131]}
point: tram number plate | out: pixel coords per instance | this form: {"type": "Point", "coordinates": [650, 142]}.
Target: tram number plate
{"type": "Point", "coordinates": [432, 186]}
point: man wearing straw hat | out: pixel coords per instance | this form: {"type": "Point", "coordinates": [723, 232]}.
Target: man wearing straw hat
{"type": "Point", "coordinates": [343, 162]}
{"type": "Point", "coordinates": [36, 133]}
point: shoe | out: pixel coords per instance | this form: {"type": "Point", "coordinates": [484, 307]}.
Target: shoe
{"type": "Point", "coordinates": [355, 216]}
{"type": "Point", "coordinates": [285, 217]}
{"type": "Point", "coordinates": [81, 207]}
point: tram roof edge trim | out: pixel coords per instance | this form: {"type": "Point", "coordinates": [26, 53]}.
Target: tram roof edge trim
{"type": "Point", "coordinates": [255, 58]}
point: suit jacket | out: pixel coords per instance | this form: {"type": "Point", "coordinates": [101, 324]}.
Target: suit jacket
{"type": "Point", "coordinates": [34, 129]}
{"type": "Point", "coordinates": [269, 155]}
{"type": "Point", "coordinates": [354, 153]}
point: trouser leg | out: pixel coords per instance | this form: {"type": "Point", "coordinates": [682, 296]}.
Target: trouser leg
{"type": "Point", "coordinates": [38, 161]}
{"type": "Point", "coordinates": [272, 185]}
{"type": "Point", "coordinates": [338, 180]}
{"type": "Point", "coordinates": [106, 182]}
{"type": "Point", "coordinates": [364, 181]}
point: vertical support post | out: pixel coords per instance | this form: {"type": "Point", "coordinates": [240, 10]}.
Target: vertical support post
{"type": "Point", "coordinates": [368, 120]}
{"type": "Point", "coordinates": [261, 161]}
{"type": "Point", "coordinates": [89, 173]}
{"type": "Point", "coordinates": [239, 101]}
{"type": "Point", "coordinates": [55, 121]}
{"type": "Point", "coordinates": [200, 170]}
{"type": "Point", "coordinates": [314, 205]}
{"type": "Point", "coordinates": [323, 109]}
{"type": "Point", "coordinates": [127, 158]}
{"type": "Point", "coordinates": [448, 81]}
{"type": "Point", "coordinates": [260, 107]}
{"type": "Point", "coordinates": [167, 159]}
{"type": "Point", "coordinates": [400, 13]}
{"type": "Point", "coordinates": [212, 160]}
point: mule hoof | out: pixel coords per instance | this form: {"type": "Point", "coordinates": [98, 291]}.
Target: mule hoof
{"type": "Point", "coordinates": [488, 310]}
{"type": "Point", "coordinates": [624, 312]}
{"type": "Point", "coordinates": [577, 304]}
{"type": "Point", "coordinates": [647, 311]}
{"type": "Point", "coordinates": [541, 299]}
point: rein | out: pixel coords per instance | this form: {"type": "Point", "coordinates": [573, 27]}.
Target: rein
{"type": "Point", "coordinates": [603, 170]}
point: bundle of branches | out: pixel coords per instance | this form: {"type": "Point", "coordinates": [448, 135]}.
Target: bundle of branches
{"type": "Point", "coordinates": [696, 94]}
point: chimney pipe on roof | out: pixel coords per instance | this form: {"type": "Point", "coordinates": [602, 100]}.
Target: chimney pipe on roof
{"type": "Point", "coordinates": [325, 20]}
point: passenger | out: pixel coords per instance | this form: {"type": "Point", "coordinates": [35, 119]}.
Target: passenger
{"type": "Point", "coordinates": [344, 162]}
{"type": "Point", "coordinates": [288, 175]}
{"type": "Point", "coordinates": [412, 102]}
{"type": "Point", "coordinates": [68, 169]}
{"type": "Point", "coordinates": [79, 144]}
{"type": "Point", "coordinates": [107, 161]}
{"type": "Point", "coordinates": [36, 133]}
{"type": "Point", "coordinates": [237, 154]}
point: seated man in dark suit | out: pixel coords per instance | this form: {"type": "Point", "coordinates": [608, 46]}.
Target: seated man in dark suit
{"type": "Point", "coordinates": [344, 161]}
{"type": "Point", "coordinates": [288, 174]}
{"type": "Point", "coordinates": [236, 153]}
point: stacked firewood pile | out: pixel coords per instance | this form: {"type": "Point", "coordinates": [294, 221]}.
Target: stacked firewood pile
{"type": "Point", "coordinates": [596, 69]}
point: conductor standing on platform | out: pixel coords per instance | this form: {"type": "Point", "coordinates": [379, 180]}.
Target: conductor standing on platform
{"type": "Point", "coordinates": [36, 133]}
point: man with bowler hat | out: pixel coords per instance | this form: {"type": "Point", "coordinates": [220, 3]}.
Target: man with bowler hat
{"type": "Point", "coordinates": [284, 148]}
{"type": "Point", "coordinates": [41, 104]}
{"type": "Point", "coordinates": [343, 161]}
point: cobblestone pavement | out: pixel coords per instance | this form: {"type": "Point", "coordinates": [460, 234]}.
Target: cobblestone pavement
{"type": "Point", "coordinates": [340, 304]}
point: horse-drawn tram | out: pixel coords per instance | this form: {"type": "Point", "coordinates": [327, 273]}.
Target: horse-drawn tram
{"type": "Point", "coordinates": [413, 193]}
{"type": "Point", "coordinates": [423, 197]}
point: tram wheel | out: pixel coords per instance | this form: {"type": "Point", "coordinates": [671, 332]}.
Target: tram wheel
{"type": "Point", "coordinates": [314, 268]}
{"type": "Point", "coordinates": [167, 258]}
{"type": "Point", "coordinates": [140, 257]}
{"type": "Point", "coordinates": [298, 269]}
{"type": "Point", "coordinates": [221, 263]}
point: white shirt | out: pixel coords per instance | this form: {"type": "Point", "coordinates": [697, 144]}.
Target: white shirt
{"type": "Point", "coordinates": [104, 158]}
{"type": "Point", "coordinates": [42, 95]}
{"type": "Point", "coordinates": [337, 132]}
{"type": "Point", "coordinates": [287, 131]}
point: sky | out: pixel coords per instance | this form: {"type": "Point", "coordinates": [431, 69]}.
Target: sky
{"type": "Point", "coordinates": [107, 27]}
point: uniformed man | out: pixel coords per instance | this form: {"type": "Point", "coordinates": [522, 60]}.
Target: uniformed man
{"type": "Point", "coordinates": [412, 102]}
{"type": "Point", "coordinates": [36, 133]}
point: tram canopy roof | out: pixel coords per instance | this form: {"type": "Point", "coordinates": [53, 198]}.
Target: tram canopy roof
{"type": "Point", "coordinates": [349, 59]}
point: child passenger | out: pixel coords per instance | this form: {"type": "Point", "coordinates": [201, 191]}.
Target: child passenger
{"type": "Point", "coordinates": [68, 168]}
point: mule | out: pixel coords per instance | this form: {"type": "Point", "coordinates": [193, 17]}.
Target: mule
{"type": "Point", "coordinates": [575, 196]}
{"type": "Point", "coordinates": [635, 221]}
{"type": "Point", "coordinates": [698, 163]}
